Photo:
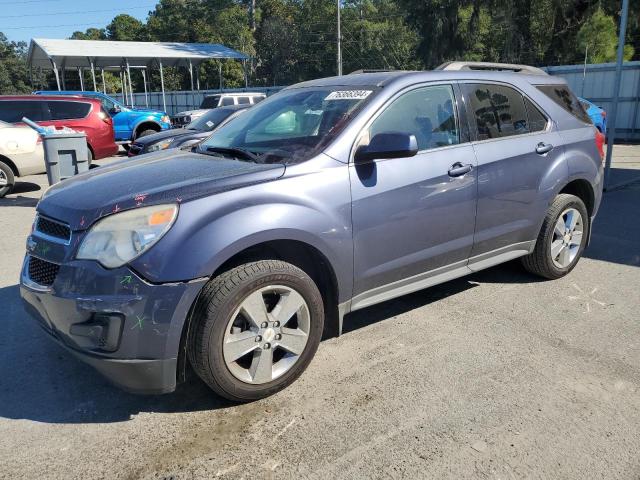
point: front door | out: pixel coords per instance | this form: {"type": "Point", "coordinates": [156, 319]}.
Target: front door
{"type": "Point", "coordinates": [413, 218]}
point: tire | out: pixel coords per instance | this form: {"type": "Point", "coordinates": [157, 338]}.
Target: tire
{"type": "Point", "coordinates": [144, 133]}
{"type": "Point", "coordinates": [7, 180]}
{"type": "Point", "coordinates": [220, 318]}
{"type": "Point", "coordinates": [543, 261]}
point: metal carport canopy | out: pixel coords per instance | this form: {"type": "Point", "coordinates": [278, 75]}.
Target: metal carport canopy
{"type": "Point", "coordinates": [82, 53]}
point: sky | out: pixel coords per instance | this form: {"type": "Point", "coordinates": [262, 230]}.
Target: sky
{"type": "Point", "coordinates": [22, 20]}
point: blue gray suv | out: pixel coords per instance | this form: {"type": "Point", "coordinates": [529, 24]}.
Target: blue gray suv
{"type": "Point", "coordinates": [330, 196]}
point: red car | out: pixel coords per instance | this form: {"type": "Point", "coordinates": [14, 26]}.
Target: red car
{"type": "Point", "coordinates": [78, 113]}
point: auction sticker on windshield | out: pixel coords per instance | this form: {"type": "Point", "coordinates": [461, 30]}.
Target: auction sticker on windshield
{"type": "Point", "coordinates": [348, 95]}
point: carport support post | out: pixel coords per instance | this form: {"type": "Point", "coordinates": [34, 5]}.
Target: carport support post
{"type": "Point", "coordinates": [81, 79]}
{"type": "Point", "coordinates": [220, 74]}
{"type": "Point", "coordinates": [55, 71]}
{"type": "Point", "coordinates": [124, 92]}
{"type": "Point", "coordinates": [164, 100]}
{"type": "Point", "coordinates": [616, 91]}
{"type": "Point", "coordinates": [130, 85]}
{"type": "Point", "coordinates": [104, 83]}
{"type": "Point", "coordinates": [93, 76]}
{"type": "Point", "coordinates": [144, 81]}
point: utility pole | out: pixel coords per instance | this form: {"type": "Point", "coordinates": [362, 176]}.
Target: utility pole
{"type": "Point", "coordinates": [616, 91]}
{"type": "Point", "coordinates": [339, 41]}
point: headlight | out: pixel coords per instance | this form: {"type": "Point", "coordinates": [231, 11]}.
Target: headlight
{"type": "Point", "coordinates": [161, 145]}
{"type": "Point", "coordinates": [119, 238]}
{"type": "Point", "coordinates": [165, 119]}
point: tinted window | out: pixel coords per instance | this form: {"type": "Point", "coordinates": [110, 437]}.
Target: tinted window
{"type": "Point", "coordinates": [257, 99]}
{"type": "Point", "coordinates": [428, 113]}
{"type": "Point", "coordinates": [12, 111]}
{"type": "Point", "coordinates": [227, 101]}
{"type": "Point", "coordinates": [210, 120]}
{"type": "Point", "coordinates": [107, 104]}
{"type": "Point", "coordinates": [566, 99]}
{"type": "Point", "coordinates": [498, 111]}
{"type": "Point", "coordinates": [243, 100]}
{"type": "Point", "coordinates": [537, 120]}
{"type": "Point", "coordinates": [68, 110]}
{"type": "Point", "coordinates": [210, 102]}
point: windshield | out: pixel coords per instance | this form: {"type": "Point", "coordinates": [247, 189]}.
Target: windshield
{"type": "Point", "coordinates": [291, 126]}
{"type": "Point", "coordinates": [210, 120]}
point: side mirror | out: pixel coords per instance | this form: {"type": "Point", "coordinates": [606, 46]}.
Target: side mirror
{"type": "Point", "coordinates": [387, 145]}
{"type": "Point", "coordinates": [115, 109]}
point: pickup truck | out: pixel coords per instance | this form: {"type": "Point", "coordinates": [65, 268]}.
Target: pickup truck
{"type": "Point", "coordinates": [128, 123]}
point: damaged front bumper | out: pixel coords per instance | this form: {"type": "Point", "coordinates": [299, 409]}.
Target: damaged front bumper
{"type": "Point", "coordinates": [125, 327]}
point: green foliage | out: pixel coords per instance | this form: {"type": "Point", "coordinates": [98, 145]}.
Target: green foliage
{"type": "Point", "coordinates": [599, 38]}
{"type": "Point", "coordinates": [295, 40]}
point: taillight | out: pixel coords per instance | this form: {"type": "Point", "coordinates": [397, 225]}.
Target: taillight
{"type": "Point", "coordinates": [104, 116]}
{"type": "Point", "coordinates": [600, 143]}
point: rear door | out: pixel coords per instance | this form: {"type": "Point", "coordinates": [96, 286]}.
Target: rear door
{"type": "Point", "coordinates": [413, 218]}
{"type": "Point", "coordinates": [516, 145]}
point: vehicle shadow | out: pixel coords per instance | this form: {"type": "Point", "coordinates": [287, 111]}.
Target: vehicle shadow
{"type": "Point", "coordinates": [18, 201]}
{"type": "Point", "coordinates": [40, 381]}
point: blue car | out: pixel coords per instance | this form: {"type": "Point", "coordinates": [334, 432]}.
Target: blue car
{"type": "Point", "coordinates": [128, 123]}
{"type": "Point", "coordinates": [598, 115]}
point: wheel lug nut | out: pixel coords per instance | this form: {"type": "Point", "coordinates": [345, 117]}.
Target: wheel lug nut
{"type": "Point", "coordinates": [278, 337]}
{"type": "Point", "coordinates": [276, 324]}
{"type": "Point", "coordinates": [264, 325]}
{"type": "Point", "coordinates": [258, 338]}
{"type": "Point", "coordinates": [267, 346]}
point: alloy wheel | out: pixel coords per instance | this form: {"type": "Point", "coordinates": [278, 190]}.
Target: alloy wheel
{"type": "Point", "coordinates": [4, 181]}
{"type": "Point", "coordinates": [266, 335]}
{"type": "Point", "coordinates": [567, 238]}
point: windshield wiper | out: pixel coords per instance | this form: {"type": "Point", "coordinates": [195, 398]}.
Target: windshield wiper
{"type": "Point", "coordinates": [246, 154]}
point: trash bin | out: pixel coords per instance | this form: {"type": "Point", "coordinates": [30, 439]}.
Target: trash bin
{"type": "Point", "coordinates": [65, 151]}
{"type": "Point", "coordinates": [65, 155]}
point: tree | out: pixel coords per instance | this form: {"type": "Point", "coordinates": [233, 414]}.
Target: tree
{"type": "Point", "coordinates": [90, 34]}
{"type": "Point", "coordinates": [127, 28]}
{"type": "Point", "coordinates": [598, 37]}
{"type": "Point", "coordinates": [14, 77]}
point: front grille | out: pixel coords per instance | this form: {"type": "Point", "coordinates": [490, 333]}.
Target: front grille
{"type": "Point", "coordinates": [53, 229]}
{"type": "Point", "coordinates": [42, 272]}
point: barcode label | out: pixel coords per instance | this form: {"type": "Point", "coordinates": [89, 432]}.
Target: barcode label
{"type": "Point", "coordinates": [348, 95]}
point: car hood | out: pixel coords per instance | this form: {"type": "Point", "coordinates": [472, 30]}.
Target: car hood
{"type": "Point", "coordinates": [191, 112]}
{"type": "Point", "coordinates": [164, 177]}
{"type": "Point", "coordinates": [156, 137]}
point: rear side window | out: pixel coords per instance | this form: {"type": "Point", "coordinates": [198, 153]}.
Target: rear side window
{"type": "Point", "coordinates": [68, 110]}
{"type": "Point", "coordinates": [243, 101]}
{"type": "Point", "coordinates": [12, 111]}
{"type": "Point", "coordinates": [210, 102]}
{"type": "Point", "coordinates": [226, 101]}
{"type": "Point", "coordinates": [566, 99]}
{"type": "Point", "coordinates": [537, 120]}
{"type": "Point", "coordinates": [257, 99]}
{"type": "Point", "coordinates": [498, 111]}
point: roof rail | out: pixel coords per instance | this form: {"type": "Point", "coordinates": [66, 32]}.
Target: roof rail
{"type": "Point", "coordinates": [491, 66]}
{"type": "Point", "coordinates": [371, 70]}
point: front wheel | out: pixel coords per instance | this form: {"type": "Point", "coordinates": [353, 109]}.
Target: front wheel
{"type": "Point", "coordinates": [255, 329]}
{"type": "Point", "coordinates": [562, 238]}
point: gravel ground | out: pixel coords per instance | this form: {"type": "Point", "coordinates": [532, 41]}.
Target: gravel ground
{"type": "Point", "coordinates": [497, 375]}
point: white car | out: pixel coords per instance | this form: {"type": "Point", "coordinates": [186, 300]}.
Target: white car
{"type": "Point", "coordinates": [21, 154]}
{"type": "Point", "coordinates": [182, 119]}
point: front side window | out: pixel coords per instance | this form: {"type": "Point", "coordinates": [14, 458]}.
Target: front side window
{"type": "Point", "coordinates": [427, 112]}
{"type": "Point", "coordinates": [499, 111]}
{"type": "Point", "coordinates": [61, 110]}
{"type": "Point", "coordinates": [226, 101]}
{"type": "Point", "coordinates": [293, 125]}
{"type": "Point", "coordinates": [107, 104]}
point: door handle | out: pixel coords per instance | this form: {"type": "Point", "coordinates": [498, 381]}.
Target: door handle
{"type": "Point", "coordinates": [458, 169]}
{"type": "Point", "coordinates": [543, 148]}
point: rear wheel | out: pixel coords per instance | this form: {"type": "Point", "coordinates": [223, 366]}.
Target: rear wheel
{"type": "Point", "coordinates": [562, 238]}
{"type": "Point", "coordinates": [256, 329]}
{"type": "Point", "coordinates": [7, 179]}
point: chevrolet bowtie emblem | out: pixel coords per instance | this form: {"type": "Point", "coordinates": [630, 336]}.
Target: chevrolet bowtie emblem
{"type": "Point", "coordinates": [31, 244]}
